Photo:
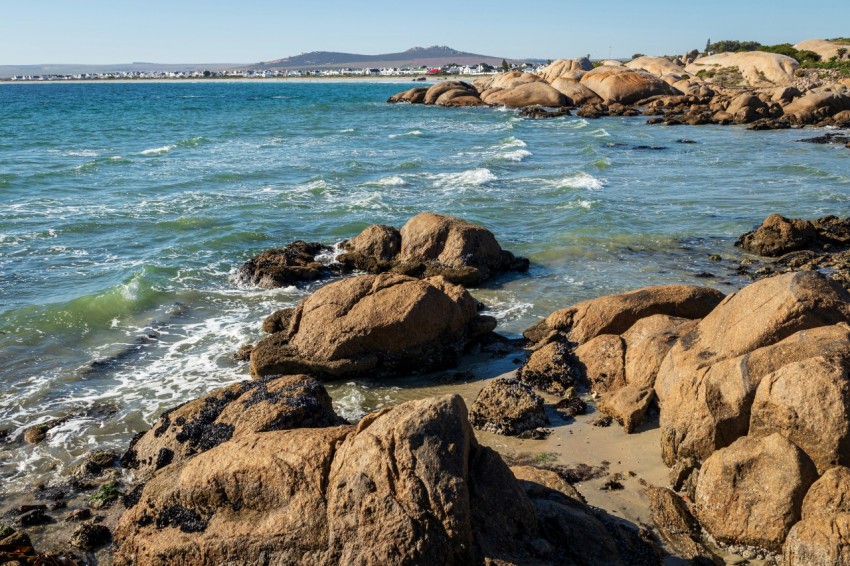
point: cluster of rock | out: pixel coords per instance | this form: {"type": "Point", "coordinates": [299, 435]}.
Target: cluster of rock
{"type": "Point", "coordinates": [753, 392]}
{"type": "Point", "coordinates": [283, 480]}
{"type": "Point", "coordinates": [802, 245]}
{"type": "Point", "coordinates": [426, 246]}
{"type": "Point", "coordinates": [762, 94]}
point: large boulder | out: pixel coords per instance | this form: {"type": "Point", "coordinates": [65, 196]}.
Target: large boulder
{"type": "Point", "coordinates": [615, 314]}
{"type": "Point", "coordinates": [294, 401]}
{"type": "Point", "coordinates": [408, 485]}
{"type": "Point", "coordinates": [280, 267]}
{"type": "Point", "coordinates": [507, 406]}
{"type": "Point", "coordinates": [576, 92]}
{"type": "Point", "coordinates": [710, 408]}
{"type": "Point", "coordinates": [829, 495]}
{"type": "Point", "coordinates": [571, 69]}
{"type": "Point", "coordinates": [658, 66]}
{"type": "Point", "coordinates": [752, 491]}
{"type": "Point", "coordinates": [758, 68]}
{"type": "Point", "coordinates": [624, 85]}
{"type": "Point", "coordinates": [808, 402]}
{"type": "Point", "coordinates": [817, 105]}
{"type": "Point", "coordinates": [431, 244]}
{"type": "Point", "coordinates": [374, 325]}
{"type": "Point", "coordinates": [528, 94]}
{"type": "Point", "coordinates": [677, 525]}
{"type": "Point", "coordinates": [778, 235]}
{"type": "Point", "coordinates": [415, 95]}
{"type": "Point", "coordinates": [759, 315]}
{"type": "Point", "coordinates": [505, 81]}
{"type": "Point", "coordinates": [824, 541]}
{"type": "Point", "coordinates": [436, 91]}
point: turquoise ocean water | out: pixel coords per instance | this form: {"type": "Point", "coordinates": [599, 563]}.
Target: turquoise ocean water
{"type": "Point", "coordinates": [125, 210]}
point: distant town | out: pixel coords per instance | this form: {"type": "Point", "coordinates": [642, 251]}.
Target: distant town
{"type": "Point", "coordinates": [445, 70]}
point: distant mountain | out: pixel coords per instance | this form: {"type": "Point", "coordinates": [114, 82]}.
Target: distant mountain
{"type": "Point", "coordinates": [436, 55]}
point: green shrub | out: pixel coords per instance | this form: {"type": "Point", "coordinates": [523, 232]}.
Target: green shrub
{"type": "Point", "coordinates": [104, 496]}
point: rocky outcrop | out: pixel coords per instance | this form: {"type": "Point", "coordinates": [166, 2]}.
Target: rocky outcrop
{"type": "Point", "coordinates": [293, 401]}
{"type": "Point", "coordinates": [707, 381]}
{"type": "Point", "coordinates": [822, 538]}
{"type": "Point", "coordinates": [416, 95]}
{"type": "Point", "coordinates": [374, 325]}
{"type": "Point", "coordinates": [825, 48]}
{"type": "Point", "coordinates": [507, 406]}
{"type": "Point", "coordinates": [658, 66]}
{"type": "Point", "coordinates": [577, 93]}
{"type": "Point", "coordinates": [528, 94]}
{"type": "Point", "coordinates": [808, 402]}
{"type": "Point", "coordinates": [615, 314]}
{"type": "Point", "coordinates": [429, 245]}
{"type": "Point", "coordinates": [752, 491]}
{"type": "Point", "coordinates": [757, 68]}
{"type": "Point", "coordinates": [296, 263]}
{"type": "Point", "coordinates": [571, 69]}
{"type": "Point", "coordinates": [408, 485]}
{"type": "Point", "coordinates": [778, 235]}
{"type": "Point", "coordinates": [625, 86]}
{"type": "Point", "coordinates": [617, 343]}
{"type": "Point", "coordinates": [817, 105]}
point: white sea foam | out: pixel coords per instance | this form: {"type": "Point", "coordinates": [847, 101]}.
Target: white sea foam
{"type": "Point", "coordinates": [512, 142]}
{"type": "Point", "coordinates": [82, 153]}
{"type": "Point", "coordinates": [410, 133]}
{"type": "Point", "coordinates": [346, 131]}
{"type": "Point", "coordinates": [393, 181]}
{"type": "Point", "coordinates": [582, 180]}
{"type": "Point", "coordinates": [350, 405]}
{"type": "Point", "coordinates": [600, 133]}
{"type": "Point", "coordinates": [517, 155]}
{"type": "Point", "coordinates": [157, 150]}
{"type": "Point", "coordinates": [469, 178]}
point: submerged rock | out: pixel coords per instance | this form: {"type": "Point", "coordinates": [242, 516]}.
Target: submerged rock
{"type": "Point", "coordinates": [374, 325]}
{"type": "Point", "coordinates": [296, 263]}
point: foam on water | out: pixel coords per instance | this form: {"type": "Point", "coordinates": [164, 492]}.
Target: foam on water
{"type": "Point", "coordinates": [470, 178]}
{"type": "Point", "coordinates": [393, 181]}
{"type": "Point", "coordinates": [157, 150]}
{"type": "Point", "coordinates": [516, 156]}
{"type": "Point", "coordinates": [410, 133]}
{"type": "Point", "coordinates": [583, 180]}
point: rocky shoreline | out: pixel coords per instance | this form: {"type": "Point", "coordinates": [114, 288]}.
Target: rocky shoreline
{"type": "Point", "coordinates": [750, 393]}
{"type": "Point", "coordinates": [763, 91]}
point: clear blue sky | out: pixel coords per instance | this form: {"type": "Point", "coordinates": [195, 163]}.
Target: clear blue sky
{"type": "Point", "coordinates": [247, 31]}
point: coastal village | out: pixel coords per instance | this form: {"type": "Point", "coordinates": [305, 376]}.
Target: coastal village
{"type": "Point", "coordinates": [450, 69]}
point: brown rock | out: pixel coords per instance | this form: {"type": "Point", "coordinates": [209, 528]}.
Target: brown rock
{"type": "Point", "coordinates": [278, 321]}
{"type": "Point", "coordinates": [529, 94]}
{"type": "Point", "coordinates": [829, 495]}
{"type": "Point", "coordinates": [439, 89]}
{"type": "Point", "coordinates": [676, 525]}
{"type": "Point", "coordinates": [552, 368]}
{"type": "Point", "coordinates": [507, 406]}
{"type": "Point", "coordinates": [822, 541]}
{"type": "Point", "coordinates": [566, 68]}
{"type": "Point", "coordinates": [647, 343]}
{"type": "Point", "coordinates": [808, 402]}
{"type": "Point", "coordinates": [623, 85]}
{"type": "Point", "coordinates": [576, 92]}
{"type": "Point", "coordinates": [710, 407]}
{"type": "Point", "coordinates": [658, 66]}
{"type": "Point", "coordinates": [603, 361]}
{"type": "Point", "coordinates": [756, 68]}
{"type": "Point", "coordinates": [615, 314]}
{"type": "Point", "coordinates": [759, 315]}
{"type": "Point", "coordinates": [779, 235]}
{"type": "Point", "coordinates": [281, 267]}
{"type": "Point", "coordinates": [444, 243]}
{"type": "Point", "coordinates": [752, 491]}
{"type": "Point", "coordinates": [295, 401]}
{"type": "Point", "coordinates": [628, 405]}
{"type": "Point", "coordinates": [505, 81]}
{"type": "Point", "coordinates": [415, 95]}
{"type": "Point", "coordinates": [375, 324]}
{"type": "Point", "coordinates": [816, 105]}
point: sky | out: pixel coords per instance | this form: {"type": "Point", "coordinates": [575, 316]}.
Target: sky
{"type": "Point", "coordinates": [249, 31]}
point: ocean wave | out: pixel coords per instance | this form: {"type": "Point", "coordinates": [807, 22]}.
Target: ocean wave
{"type": "Point", "coordinates": [82, 153]}
{"type": "Point", "coordinates": [517, 155]}
{"type": "Point", "coordinates": [512, 142]}
{"type": "Point", "coordinates": [393, 181]}
{"type": "Point", "coordinates": [158, 150]}
{"type": "Point", "coordinates": [600, 133]}
{"type": "Point", "coordinates": [113, 160]}
{"type": "Point", "coordinates": [410, 133]}
{"type": "Point", "coordinates": [583, 181]}
{"type": "Point", "coordinates": [470, 178]}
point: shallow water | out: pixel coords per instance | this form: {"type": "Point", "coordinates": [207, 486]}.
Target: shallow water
{"type": "Point", "coordinates": [125, 210]}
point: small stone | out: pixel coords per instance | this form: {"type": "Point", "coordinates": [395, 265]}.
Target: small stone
{"type": "Point", "coordinates": [603, 421]}
{"type": "Point", "coordinates": [78, 515]}
{"type": "Point", "coordinates": [89, 536]}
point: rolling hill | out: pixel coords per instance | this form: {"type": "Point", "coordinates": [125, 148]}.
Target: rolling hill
{"type": "Point", "coordinates": [433, 56]}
